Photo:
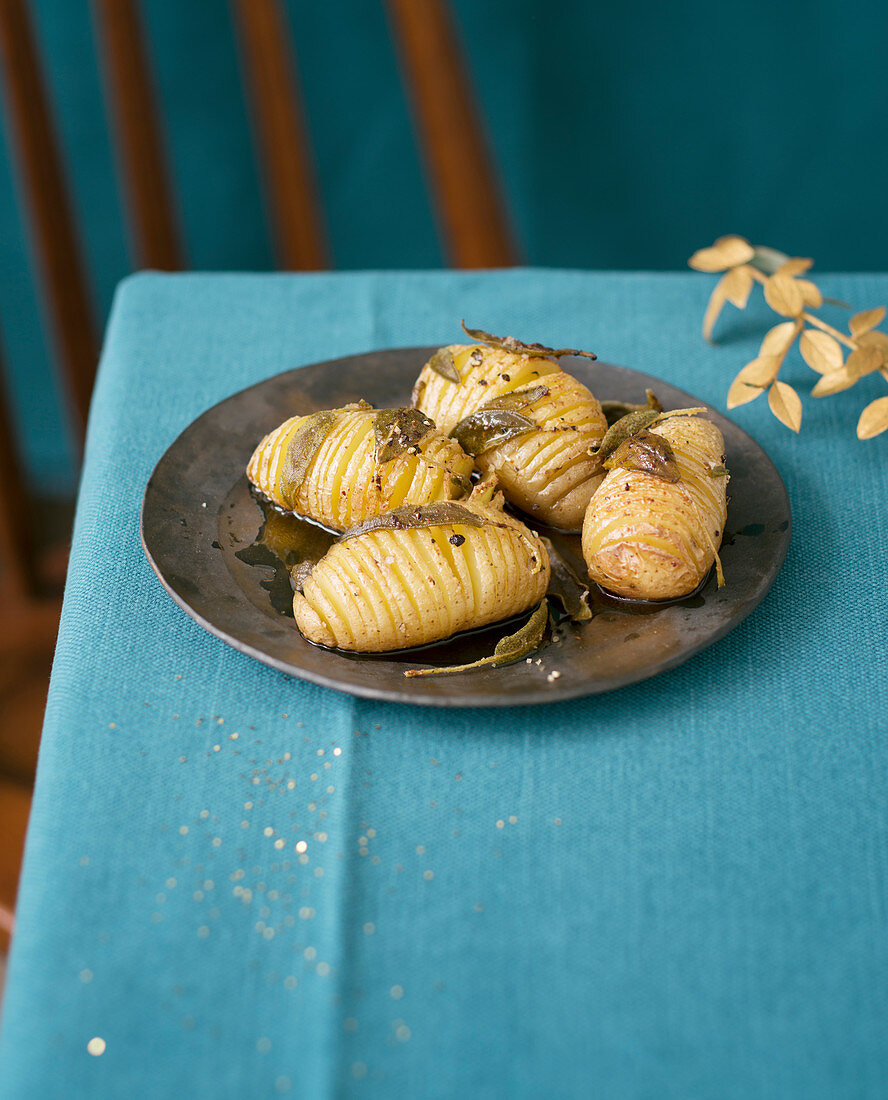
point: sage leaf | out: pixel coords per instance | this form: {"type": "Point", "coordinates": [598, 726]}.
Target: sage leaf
{"type": "Point", "coordinates": [488, 427]}
{"type": "Point", "coordinates": [517, 399]}
{"type": "Point", "coordinates": [518, 347]}
{"type": "Point", "coordinates": [647, 452]}
{"type": "Point", "coordinates": [304, 445]}
{"type": "Point", "coordinates": [396, 430]}
{"type": "Point", "coordinates": [442, 362]}
{"type": "Point", "coordinates": [509, 649]}
{"type": "Point", "coordinates": [623, 428]}
{"type": "Point", "coordinates": [418, 515]}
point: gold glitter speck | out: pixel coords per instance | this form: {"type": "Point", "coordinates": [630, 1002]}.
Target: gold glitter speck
{"type": "Point", "coordinates": [396, 992]}
{"type": "Point", "coordinates": [420, 849]}
{"type": "Point", "coordinates": [291, 981]}
{"type": "Point", "coordinates": [268, 831]}
{"type": "Point", "coordinates": [310, 954]}
{"type": "Point", "coordinates": [183, 830]}
{"type": "Point", "coordinates": [369, 928]}
{"type": "Point", "coordinates": [513, 820]}
{"type": "Point", "coordinates": [301, 846]}
{"type": "Point", "coordinates": [263, 1045]}
{"type": "Point", "coordinates": [171, 884]}
{"type": "Point", "coordinates": [402, 1033]}
{"type": "Point", "coordinates": [85, 976]}
{"type": "Point", "coordinates": [337, 751]}
{"type": "Point", "coordinates": [280, 842]}
{"type": "Point", "coordinates": [203, 931]}
{"type": "Point", "coordinates": [501, 824]}
{"type": "Point", "coordinates": [96, 1046]}
{"type": "Point", "coordinates": [323, 969]}
{"type": "Point", "coordinates": [428, 875]}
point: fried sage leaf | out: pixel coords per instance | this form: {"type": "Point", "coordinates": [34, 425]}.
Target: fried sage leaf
{"type": "Point", "coordinates": [418, 515]}
{"type": "Point", "coordinates": [511, 648]}
{"type": "Point", "coordinates": [516, 400]}
{"type": "Point", "coordinates": [614, 410]}
{"type": "Point", "coordinates": [566, 587]}
{"type": "Point", "coordinates": [396, 430]}
{"type": "Point", "coordinates": [442, 363]}
{"type": "Point", "coordinates": [486, 428]}
{"type": "Point", "coordinates": [304, 445]}
{"type": "Point", "coordinates": [518, 347]}
{"type": "Point", "coordinates": [648, 452]}
{"type": "Point", "coordinates": [623, 429]}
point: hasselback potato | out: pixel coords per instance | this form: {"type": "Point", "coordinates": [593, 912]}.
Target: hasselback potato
{"type": "Point", "coordinates": [652, 532]}
{"type": "Point", "coordinates": [420, 575]}
{"type": "Point", "coordinates": [525, 420]}
{"type": "Point", "coordinates": [341, 466]}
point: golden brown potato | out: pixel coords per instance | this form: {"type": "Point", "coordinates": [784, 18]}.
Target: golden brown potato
{"type": "Point", "coordinates": [422, 574]}
{"type": "Point", "coordinates": [649, 539]}
{"type": "Point", "coordinates": [342, 466]}
{"type": "Point", "coordinates": [545, 468]}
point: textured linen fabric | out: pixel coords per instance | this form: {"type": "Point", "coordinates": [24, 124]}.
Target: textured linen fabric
{"type": "Point", "coordinates": [674, 890]}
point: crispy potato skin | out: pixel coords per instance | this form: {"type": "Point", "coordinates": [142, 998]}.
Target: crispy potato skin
{"type": "Point", "coordinates": [344, 484]}
{"type": "Point", "coordinates": [548, 473]}
{"type": "Point", "coordinates": [651, 540]}
{"type": "Point", "coordinates": [391, 589]}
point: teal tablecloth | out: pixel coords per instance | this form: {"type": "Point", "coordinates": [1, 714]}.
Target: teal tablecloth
{"type": "Point", "coordinates": [237, 884]}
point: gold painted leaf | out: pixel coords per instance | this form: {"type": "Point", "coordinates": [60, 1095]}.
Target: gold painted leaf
{"type": "Point", "coordinates": [752, 380]}
{"type": "Point", "coordinates": [795, 266]}
{"type": "Point", "coordinates": [811, 295]}
{"type": "Point", "coordinates": [821, 351]}
{"type": "Point", "coordinates": [834, 382]}
{"type": "Point", "coordinates": [863, 361]}
{"type": "Point", "coordinates": [785, 405]}
{"type": "Point", "coordinates": [866, 320]}
{"type": "Point", "coordinates": [784, 295]}
{"type": "Point", "coordinates": [874, 340]}
{"type": "Point", "coordinates": [873, 419]}
{"type": "Point", "coordinates": [717, 299]}
{"type": "Point", "coordinates": [778, 339]}
{"type": "Point", "coordinates": [737, 285]}
{"type": "Point", "coordinates": [726, 252]}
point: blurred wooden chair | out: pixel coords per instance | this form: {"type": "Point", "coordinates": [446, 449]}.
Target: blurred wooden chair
{"type": "Point", "coordinates": [471, 219]}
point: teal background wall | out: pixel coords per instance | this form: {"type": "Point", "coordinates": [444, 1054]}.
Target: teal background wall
{"type": "Point", "coordinates": [626, 135]}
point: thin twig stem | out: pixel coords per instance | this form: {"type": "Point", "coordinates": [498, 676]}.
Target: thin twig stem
{"type": "Point", "coordinates": [812, 320]}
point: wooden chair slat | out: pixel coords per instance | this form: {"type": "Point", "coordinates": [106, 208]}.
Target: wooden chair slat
{"type": "Point", "coordinates": [140, 153]}
{"type": "Point", "coordinates": [269, 71]}
{"type": "Point", "coordinates": [16, 538]}
{"type": "Point", "coordinates": [470, 209]}
{"type": "Point", "coordinates": [49, 210]}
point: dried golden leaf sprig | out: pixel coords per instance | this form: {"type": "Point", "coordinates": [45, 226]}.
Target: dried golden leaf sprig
{"type": "Point", "coordinates": [840, 359]}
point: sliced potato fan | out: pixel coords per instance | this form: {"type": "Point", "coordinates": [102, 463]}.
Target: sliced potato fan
{"type": "Point", "coordinates": [341, 466]}
{"type": "Point", "coordinates": [524, 420]}
{"type": "Point", "coordinates": [422, 574]}
{"type": "Point", "coordinates": [653, 528]}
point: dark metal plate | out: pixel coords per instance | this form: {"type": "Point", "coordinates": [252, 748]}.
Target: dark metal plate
{"type": "Point", "coordinates": [198, 513]}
